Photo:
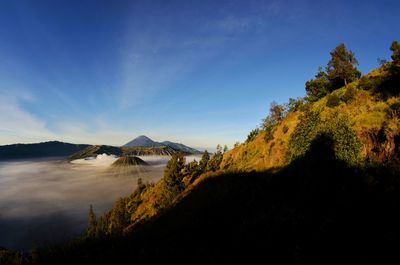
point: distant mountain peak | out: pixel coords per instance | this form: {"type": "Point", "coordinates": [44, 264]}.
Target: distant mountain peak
{"type": "Point", "coordinates": [144, 141]}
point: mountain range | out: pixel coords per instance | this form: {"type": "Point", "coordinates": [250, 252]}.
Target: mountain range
{"type": "Point", "coordinates": [144, 141]}
{"type": "Point", "coordinates": [141, 145]}
{"type": "Point", "coordinates": [39, 150]}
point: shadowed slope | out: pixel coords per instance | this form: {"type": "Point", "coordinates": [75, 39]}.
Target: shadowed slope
{"type": "Point", "coordinates": [317, 210]}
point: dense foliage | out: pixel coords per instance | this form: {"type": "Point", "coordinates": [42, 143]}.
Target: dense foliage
{"type": "Point", "coordinates": [339, 72]}
{"type": "Point", "coordinates": [341, 68]}
{"type": "Point", "coordinates": [332, 101]}
{"type": "Point", "coordinates": [319, 86]}
{"type": "Point", "coordinates": [345, 141]}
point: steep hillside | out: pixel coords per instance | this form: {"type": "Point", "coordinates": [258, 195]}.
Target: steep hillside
{"type": "Point", "coordinates": [373, 119]}
{"type": "Point", "coordinates": [37, 150]}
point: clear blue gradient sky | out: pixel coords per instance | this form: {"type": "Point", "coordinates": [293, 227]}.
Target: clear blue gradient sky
{"type": "Point", "coordinates": [197, 72]}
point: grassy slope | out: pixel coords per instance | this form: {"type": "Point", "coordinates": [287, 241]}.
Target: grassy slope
{"type": "Point", "coordinates": [366, 112]}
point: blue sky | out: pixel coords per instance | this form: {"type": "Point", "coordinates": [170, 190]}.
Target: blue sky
{"type": "Point", "coordinates": [197, 72]}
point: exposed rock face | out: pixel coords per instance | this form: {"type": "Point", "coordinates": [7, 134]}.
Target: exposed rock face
{"type": "Point", "coordinates": [383, 144]}
{"type": "Point", "coordinates": [126, 161]}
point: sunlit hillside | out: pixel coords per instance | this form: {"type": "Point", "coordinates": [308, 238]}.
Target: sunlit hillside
{"type": "Point", "coordinates": [372, 116]}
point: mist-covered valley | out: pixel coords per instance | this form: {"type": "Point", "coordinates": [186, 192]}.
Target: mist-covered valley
{"type": "Point", "coordinates": [45, 202]}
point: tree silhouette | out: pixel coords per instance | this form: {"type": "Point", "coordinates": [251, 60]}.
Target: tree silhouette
{"type": "Point", "coordinates": [341, 68]}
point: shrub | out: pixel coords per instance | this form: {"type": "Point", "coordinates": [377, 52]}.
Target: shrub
{"type": "Point", "coordinates": [285, 129]}
{"type": "Point", "coordinates": [350, 93]}
{"type": "Point", "coordinates": [333, 101]}
{"type": "Point", "coordinates": [370, 83]}
{"type": "Point", "coordinates": [395, 109]}
{"type": "Point", "coordinates": [270, 148]}
{"type": "Point", "coordinates": [294, 104]}
{"type": "Point", "coordinates": [303, 134]}
{"type": "Point", "coordinates": [346, 143]}
{"type": "Point", "coordinates": [269, 133]}
{"type": "Point", "coordinates": [252, 135]}
{"type": "Point", "coordinates": [215, 160]}
{"type": "Point", "coordinates": [319, 86]}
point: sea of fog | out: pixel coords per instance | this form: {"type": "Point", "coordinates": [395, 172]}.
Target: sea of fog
{"type": "Point", "coordinates": [47, 202]}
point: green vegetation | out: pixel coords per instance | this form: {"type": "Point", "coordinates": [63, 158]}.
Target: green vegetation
{"type": "Point", "coordinates": [317, 183]}
{"type": "Point", "coordinates": [349, 94]}
{"type": "Point", "coordinates": [341, 68]}
{"type": "Point", "coordinates": [305, 132]}
{"type": "Point", "coordinates": [276, 114]}
{"type": "Point", "coordinates": [252, 134]}
{"type": "Point", "coordinates": [387, 82]}
{"type": "Point", "coordinates": [319, 86]}
{"type": "Point", "coordinates": [332, 101]}
{"type": "Point", "coordinates": [339, 72]}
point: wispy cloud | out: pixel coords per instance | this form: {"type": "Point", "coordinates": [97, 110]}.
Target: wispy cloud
{"type": "Point", "coordinates": [19, 125]}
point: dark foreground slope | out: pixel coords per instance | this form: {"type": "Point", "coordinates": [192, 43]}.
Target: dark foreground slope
{"type": "Point", "coordinates": [317, 210]}
{"type": "Point", "coordinates": [37, 150]}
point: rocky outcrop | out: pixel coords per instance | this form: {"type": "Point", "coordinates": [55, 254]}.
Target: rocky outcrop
{"type": "Point", "coordinates": [381, 144]}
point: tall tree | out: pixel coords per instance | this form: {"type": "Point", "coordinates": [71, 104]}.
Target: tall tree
{"type": "Point", "coordinates": [395, 65]}
{"type": "Point", "coordinates": [173, 171]}
{"type": "Point", "coordinates": [341, 68]}
{"type": "Point", "coordinates": [215, 160]}
{"type": "Point", "coordinates": [92, 222]}
{"type": "Point", "coordinates": [319, 86]}
{"type": "Point", "coordinates": [204, 161]}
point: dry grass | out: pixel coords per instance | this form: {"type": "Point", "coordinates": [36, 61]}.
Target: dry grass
{"type": "Point", "coordinates": [365, 112]}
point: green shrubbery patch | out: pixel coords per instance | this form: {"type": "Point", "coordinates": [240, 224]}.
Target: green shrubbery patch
{"type": "Point", "coordinates": [333, 101]}
{"type": "Point", "coordinates": [346, 143]}
{"type": "Point", "coordinates": [349, 94]}
{"type": "Point", "coordinates": [370, 83]}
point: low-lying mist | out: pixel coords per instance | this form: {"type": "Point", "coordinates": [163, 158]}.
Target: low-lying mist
{"type": "Point", "coordinates": [47, 202]}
